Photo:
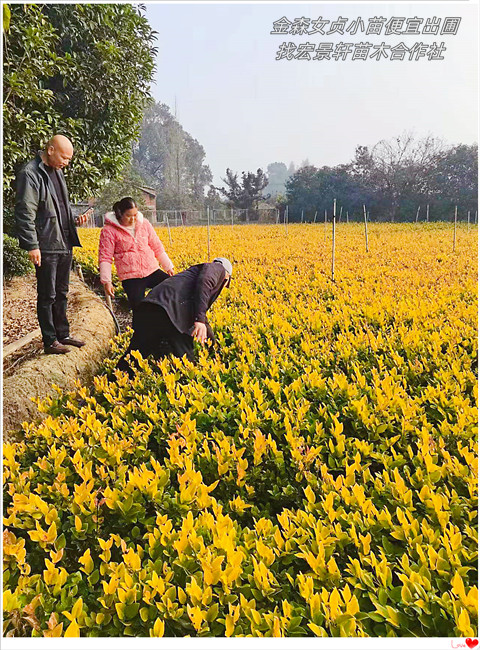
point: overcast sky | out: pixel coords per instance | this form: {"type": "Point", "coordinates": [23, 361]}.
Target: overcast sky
{"type": "Point", "coordinates": [247, 109]}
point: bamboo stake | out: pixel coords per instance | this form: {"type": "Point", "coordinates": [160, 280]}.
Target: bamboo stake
{"type": "Point", "coordinates": [333, 239]}
{"type": "Point", "coordinates": [416, 218]}
{"type": "Point", "coordinates": [455, 230]}
{"type": "Point", "coordinates": [315, 217]}
{"type": "Point", "coordinates": [208, 234]}
{"type": "Point", "coordinates": [168, 226]}
{"type": "Point", "coordinates": [80, 274]}
{"type": "Point", "coordinates": [366, 229]}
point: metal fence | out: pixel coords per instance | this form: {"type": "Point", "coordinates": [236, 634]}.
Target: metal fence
{"type": "Point", "coordinates": [234, 216]}
{"type": "Point", "coordinates": [212, 216]}
{"type": "Point", "coordinates": [215, 216]}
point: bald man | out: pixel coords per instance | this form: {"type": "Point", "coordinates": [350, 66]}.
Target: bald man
{"type": "Point", "coordinates": [47, 230]}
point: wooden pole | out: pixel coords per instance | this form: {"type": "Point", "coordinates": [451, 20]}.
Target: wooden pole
{"type": "Point", "coordinates": [366, 229]}
{"type": "Point", "coordinates": [455, 230]}
{"type": "Point", "coordinates": [428, 211]}
{"type": "Point", "coordinates": [302, 217]}
{"type": "Point", "coordinates": [315, 217]}
{"type": "Point", "coordinates": [208, 234]}
{"type": "Point", "coordinates": [333, 239]}
{"type": "Point", "coordinates": [340, 215]}
{"type": "Point", "coordinates": [347, 216]}
{"type": "Point", "coordinates": [418, 211]}
{"type": "Point", "coordinates": [168, 226]}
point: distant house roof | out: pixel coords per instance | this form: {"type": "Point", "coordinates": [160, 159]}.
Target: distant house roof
{"type": "Point", "coordinates": [147, 190]}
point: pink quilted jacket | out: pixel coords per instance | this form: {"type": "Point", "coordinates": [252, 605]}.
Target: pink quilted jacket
{"type": "Point", "coordinates": [134, 257]}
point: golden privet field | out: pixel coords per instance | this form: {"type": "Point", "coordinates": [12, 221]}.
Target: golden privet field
{"type": "Point", "coordinates": [316, 475]}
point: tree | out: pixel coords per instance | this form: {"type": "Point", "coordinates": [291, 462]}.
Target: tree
{"type": "Point", "coordinates": [81, 70]}
{"type": "Point", "coordinates": [171, 160]}
{"type": "Point", "coordinates": [213, 199]}
{"type": "Point", "coordinates": [246, 193]}
{"type": "Point", "coordinates": [277, 177]}
{"type": "Point", "coordinates": [198, 174]}
{"type": "Point", "coordinates": [314, 190]}
{"type": "Point", "coordinates": [29, 117]}
{"type": "Point", "coordinates": [128, 183]}
{"type": "Point", "coordinates": [454, 180]}
{"type": "Point", "coordinates": [397, 169]}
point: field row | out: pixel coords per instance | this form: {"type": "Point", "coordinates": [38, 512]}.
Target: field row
{"type": "Point", "coordinates": [315, 474]}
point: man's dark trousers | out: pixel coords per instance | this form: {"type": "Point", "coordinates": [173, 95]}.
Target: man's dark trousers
{"type": "Point", "coordinates": [53, 276]}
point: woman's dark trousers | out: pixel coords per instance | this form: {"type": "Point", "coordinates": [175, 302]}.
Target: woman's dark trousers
{"type": "Point", "coordinates": [135, 287]}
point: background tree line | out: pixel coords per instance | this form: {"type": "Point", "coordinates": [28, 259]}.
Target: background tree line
{"type": "Point", "coordinates": [392, 179]}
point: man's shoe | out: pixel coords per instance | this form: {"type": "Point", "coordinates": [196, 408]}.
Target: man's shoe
{"type": "Point", "coordinates": [56, 348]}
{"type": "Point", "coordinates": [75, 342]}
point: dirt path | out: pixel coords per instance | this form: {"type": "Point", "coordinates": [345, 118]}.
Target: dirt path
{"type": "Point", "coordinates": [19, 308]}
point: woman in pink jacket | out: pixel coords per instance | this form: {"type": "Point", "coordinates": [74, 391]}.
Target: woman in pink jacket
{"type": "Point", "coordinates": [128, 239]}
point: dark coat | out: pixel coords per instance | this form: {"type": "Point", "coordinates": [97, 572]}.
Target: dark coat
{"type": "Point", "coordinates": [37, 212]}
{"type": "Point", "coordinates": [187, 296]}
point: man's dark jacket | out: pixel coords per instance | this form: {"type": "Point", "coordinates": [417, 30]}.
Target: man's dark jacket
{"type": "Point", "coordinates": [187, 296]}
{"type": "Point", "coordinates": [37, 212]}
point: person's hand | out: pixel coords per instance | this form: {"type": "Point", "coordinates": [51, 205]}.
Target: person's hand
{"type": "Point", "coordinates": [35, 256]}
{"type": "Point", "coordinates": [170, 272]}
{"type": "Point", "coordinates": [108, 288]}
{"type": "Point", "coordinates": [200, 332]}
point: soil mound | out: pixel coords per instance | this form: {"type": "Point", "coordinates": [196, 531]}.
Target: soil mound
{"type": "Point", "coordinates": [89, 321]}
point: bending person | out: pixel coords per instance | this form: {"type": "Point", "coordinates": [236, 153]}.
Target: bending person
{"type": "Point", "coordinates": [128, 239]}
{"type": "Point", "coordinates": [173, 314]}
